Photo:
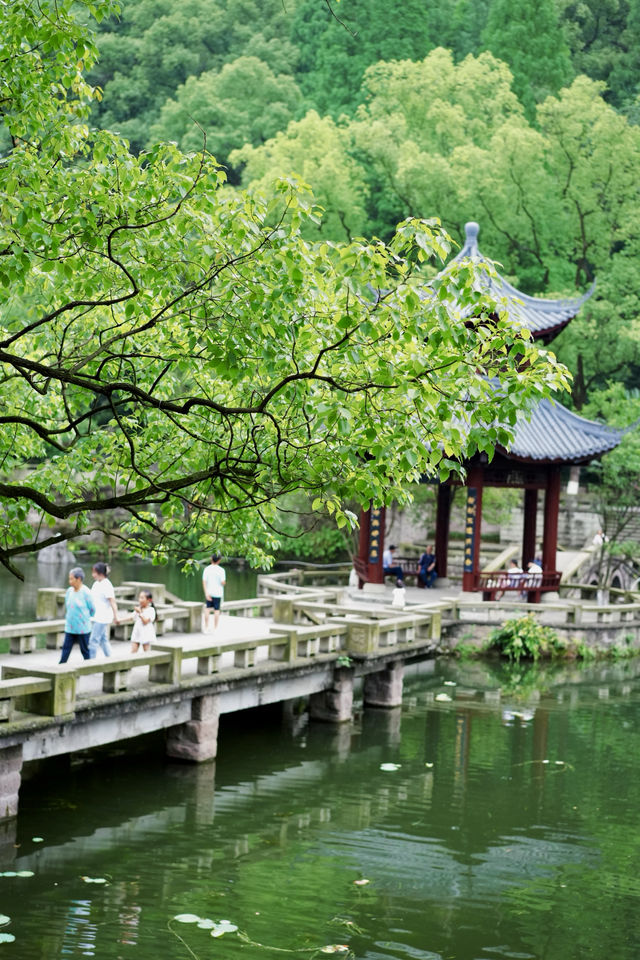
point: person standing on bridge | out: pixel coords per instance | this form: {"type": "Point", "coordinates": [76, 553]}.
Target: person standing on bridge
{"type": "Point", "coordinates": [213, 583]}
{"type": "Point", "coordinates": [144, 615]}
{"type": "Point", "coordinates": [104, 598]}
{"type": "Point", "coordinates": [79, 609]}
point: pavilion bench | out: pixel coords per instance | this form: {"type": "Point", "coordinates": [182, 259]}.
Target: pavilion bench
{"type": "Point", "coordinates": [410, 568]}
{"type": "Point", "coordinates": [494, 583]}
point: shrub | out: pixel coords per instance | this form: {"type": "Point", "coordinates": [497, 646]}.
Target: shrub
{"type": "Point", "coordinates": [526, 639]}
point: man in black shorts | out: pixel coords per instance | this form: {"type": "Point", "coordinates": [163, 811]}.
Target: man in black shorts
{"type": "Point", "coordinates": [213, 581]}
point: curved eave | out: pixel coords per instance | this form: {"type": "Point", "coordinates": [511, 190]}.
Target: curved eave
{"type": "Point", "coordinates": [553, 434]}
{"type": "Point", "coordinates": [543, 317]}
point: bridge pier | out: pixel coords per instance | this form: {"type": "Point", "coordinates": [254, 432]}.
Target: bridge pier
{"type": "Point", "coordinates": [10, 776]}
{"type": "Point", "coordinates": [335, 704]}
{"type": "Point", "coordinates": [197, 739]}
{"type": "Point", "coordinates": [384, 688]}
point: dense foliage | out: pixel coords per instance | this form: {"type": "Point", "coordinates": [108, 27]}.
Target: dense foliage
{"type": "Point", "coordinates": [186, 354]}
{"type": "Point", "coordinates": [520, 115]}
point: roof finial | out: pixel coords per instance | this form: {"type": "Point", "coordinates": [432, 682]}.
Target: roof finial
{"type": "Point", "coordinates": [471, 229]}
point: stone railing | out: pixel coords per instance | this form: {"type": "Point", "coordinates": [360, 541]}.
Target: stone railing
{"type": "Point", "coordinates": [60, 689]}
{"type": "Point", "coordinates": [27, 637]}
{"type": "Point", "coordinates": [559, 613]}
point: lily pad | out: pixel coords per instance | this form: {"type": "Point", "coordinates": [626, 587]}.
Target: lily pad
{"type": "Point", "coordinates": [187, 918]}
{"type": "Point", "coordinates": [334, 948]}
{"type": "Point", "coordinates": [4, 919]}
{"type": "Point", "coordinates": [205, 924]}
{"type": "Point", "coordinates": [93, 879]}
{"type": "Point", "coordinates": [450, 683]}
{"type": "Point", "coordinates": [390, 766]}
{"type": "Point", "coordinates": [443, 698]}
{"type": "Point", "coordinates": [7, 938]}
{"type": "Point", "coordinates": [37, 839]}
{"type": "Point", "coordinates": [24, 873]}
{"type": "Point", "coordinates": [361, 883]}
{"type": "Point", "coordinates": [223, 926]}
{"type": "Point", "coordinates": [9, 873]}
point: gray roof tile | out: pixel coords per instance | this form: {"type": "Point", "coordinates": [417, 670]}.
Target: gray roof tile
{"type": "Point", "coordinates": [551, 433]}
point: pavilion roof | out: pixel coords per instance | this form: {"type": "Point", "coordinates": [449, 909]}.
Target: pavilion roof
{"type": "Point", "coordinates": [544, 318]}
{"type": "Point", "coordinates": [552, 434]}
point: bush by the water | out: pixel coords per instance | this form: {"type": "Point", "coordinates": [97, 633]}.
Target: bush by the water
{"type": "Point", "coordinates": [527, 639]}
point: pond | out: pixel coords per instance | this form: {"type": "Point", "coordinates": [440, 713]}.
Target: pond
{"type": "Point", "coordinates": [18, 599]}
{"type": "Point", "coordinates": [493, 816]}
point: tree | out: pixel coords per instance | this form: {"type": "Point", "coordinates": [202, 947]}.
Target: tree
{"type": "Point", "coordinates": [334, 54]}
{"type": "Point", "coordinates": [157, 46]}
{"type": "Point", "coordinates": [602, 39]}
{"type": "Point", "coordinates": [615, 481]}
{"type": "Point", "coordinates": [526, 34]}
{"type": "Point", "coordinates": [179, 353]}
{"type": "Point", "coordinates": [558, 202]}
{"type": "Point", "coordinates": [244, 103]}
{"type": "Point", "coordinates": [316, 149]}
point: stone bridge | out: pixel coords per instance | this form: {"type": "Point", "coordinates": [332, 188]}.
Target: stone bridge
{"type": "Point", "coordinates": [293, 641]}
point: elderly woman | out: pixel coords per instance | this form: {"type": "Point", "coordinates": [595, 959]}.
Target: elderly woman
{"type": "Point", "coordinates": [79, 609]}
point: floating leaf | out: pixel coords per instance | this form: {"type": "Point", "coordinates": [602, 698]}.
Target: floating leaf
{"type": "Point", "coordinates": [204, 924]}
{"type": "Point", "coordinates": [390, 766]}
{"type": "Point", "coordinates": [361, 883]}
{"type": "Point", "coordinates": [187, 918]}
{"type": "Point", "coordinates": [7, 938]}
{"type": "Point", "coordinates": [428, 766]}
{"type": "Point", "coordinates": [450, 683]}
{"type": "Point", "coordinates": [9, 873]}
{"type": "Point", "coordinates": [38, 839]}
{"type": "Point", "coordinates": [443, 697]}
{"type": "Point", "coordinates": [334, 948]}
{"type": "Point", "coordinates": [93, 879]}
{"type": "Point", "coordinates": [223, 926]}
{"type": "Point", "coordinates": [4, 919]}
{"type": "Point", "coordinates": [24, 873]}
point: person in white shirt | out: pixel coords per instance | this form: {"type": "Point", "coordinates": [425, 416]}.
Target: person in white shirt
{"type": "Point", "coordinates": [144, 615]}
{"type": "Point", "coordinates": [213, 582]}
{"type": "Point", "coordinates": [389, 567]}
{"type": "Point", "coordinates": [104, 599]}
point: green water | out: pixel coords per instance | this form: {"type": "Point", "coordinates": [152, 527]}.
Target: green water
{"type": "Point", "coordinates": [508, 830]}
{"type": "Point", "coordinates": [18, 599]}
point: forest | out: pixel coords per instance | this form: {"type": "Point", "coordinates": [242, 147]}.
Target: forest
{"type": "Point", "coordinates": [523, 116]}
{"type": "Point", "coordinates": [520, 115]}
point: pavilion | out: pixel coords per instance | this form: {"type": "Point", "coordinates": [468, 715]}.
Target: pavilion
{"type": "Point", "coordinates": [545, 440]}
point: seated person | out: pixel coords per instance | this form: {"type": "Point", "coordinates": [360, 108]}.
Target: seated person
{"type": "Point", "coordinates": [427, 572]}
{"type": "Point", "coordinates": [514, 574]}
{"type": "Point", "coordinates": [535, 574]}
{"type": "Point", "coordinates": [388, 567]}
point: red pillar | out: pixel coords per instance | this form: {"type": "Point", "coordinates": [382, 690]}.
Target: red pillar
{"type": "Point", "coordinates": [371, 542]}
{"type": "Point", "coordinates": [473, 526]}
{"type": "Point", "coordinates": [529, 531]}
{"type": "Point", "coordinates": [443, 517]}
{"type": "Point", "coordinates": [551, 510]}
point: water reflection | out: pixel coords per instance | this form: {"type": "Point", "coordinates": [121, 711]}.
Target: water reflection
{"type": "Point", "coordinates": [481, 834]}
